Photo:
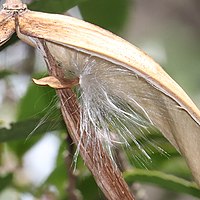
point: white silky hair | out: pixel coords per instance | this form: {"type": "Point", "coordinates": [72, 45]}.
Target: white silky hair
{"type": "Point", "coordinates": [111, 109]}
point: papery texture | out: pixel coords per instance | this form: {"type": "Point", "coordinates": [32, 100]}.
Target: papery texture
{"type": "Point", "coordinates": [122, 90]}
{"type": "Point", "coordinates": [115, 99]}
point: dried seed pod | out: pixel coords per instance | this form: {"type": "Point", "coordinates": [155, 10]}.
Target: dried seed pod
{"type": "Point", "coordinates": [123, 89]}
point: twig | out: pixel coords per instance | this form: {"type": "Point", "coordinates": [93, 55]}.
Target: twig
{"type": "Point", "coordinates": [106, 174]}
{"type": "Point", "coordinates": [71, 189]}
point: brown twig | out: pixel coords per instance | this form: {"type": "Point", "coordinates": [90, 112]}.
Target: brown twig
{"type": "Point", "coordinates": [71, 189]}
{"type": "Point", "coordinates": [106, 174]}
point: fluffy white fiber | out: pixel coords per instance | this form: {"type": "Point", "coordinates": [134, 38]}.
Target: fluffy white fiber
{"type": "Point", "coordinates": [111, 110]}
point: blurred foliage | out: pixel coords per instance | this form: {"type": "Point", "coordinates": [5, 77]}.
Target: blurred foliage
{"type": "Point", "coordinates": [12, 40]}
{"type": "Point", "coordinates": [110, 15]}
{"type": "Point", "coordinates": [5, 181]}
{"type": "Point", "coordinates": [38, 113]}
{"type": "Point", "coordinates": [4, 73]}
{"type": "Point", "coordinates": [52, 6]}
{"type": "Point", "coordinates": [163, 180]}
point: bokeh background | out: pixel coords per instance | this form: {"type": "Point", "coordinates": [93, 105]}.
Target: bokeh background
{"type": "Point", "coordinates": [35, 151]}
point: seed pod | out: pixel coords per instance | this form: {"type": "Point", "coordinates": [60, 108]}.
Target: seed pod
{"type": "Point", "coordinates": [123, 90]}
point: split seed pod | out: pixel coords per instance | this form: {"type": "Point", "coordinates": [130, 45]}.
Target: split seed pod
{"type": "Point", "coordinates": [122, 89]}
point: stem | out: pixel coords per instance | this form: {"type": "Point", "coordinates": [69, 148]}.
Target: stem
{"type": "Point", "coordinates": [109, 178]}
{"type": "Point", "coordinates": [71, 189]}
{"type": "Point", "coordinates": [106, 174]}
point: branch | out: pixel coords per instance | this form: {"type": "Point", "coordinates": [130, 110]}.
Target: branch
{"type": "Point", "coordinates": [71, 189]}
{"type": "Point", "coordinates": [105, 172]}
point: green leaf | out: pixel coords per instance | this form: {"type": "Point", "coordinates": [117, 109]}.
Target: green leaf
{"type": "Point", "coordinates": [4, 73]}
{"type": "Point", "coordinates": [162, 180]}
{"type": "Point", "coordinates": [11, 41]}
{"type": "Point", "coordinates": [176, 166]}
{"type": "Point", "coordinates": [52, 6]}
{"type": "Point", "coordinates": [23, 129]}
{"type": "Point", "coordinates": [37, 114]}
{"type": "Point", "coordinates": [5, 181]}
{"type": "Point", "coordinates": [89, 188]}
{"type": "Point", "coordinates": [38, 102]}
{"type": "Point", "coordinates": [57, 178]}
{"type": "Point", "coordinates": [109, 14]}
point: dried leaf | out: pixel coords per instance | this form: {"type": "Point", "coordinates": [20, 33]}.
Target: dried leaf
{"type": "Point", "coordinates": [55, 82]}
{"type": "Point", "coordinates": [7, 27]}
